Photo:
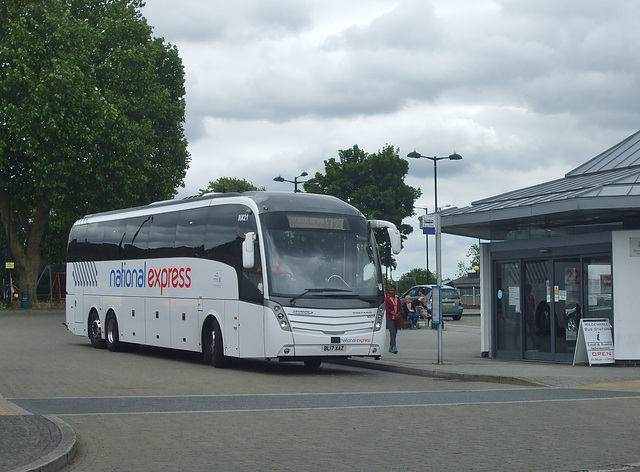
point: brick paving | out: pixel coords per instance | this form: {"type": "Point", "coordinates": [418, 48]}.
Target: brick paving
{"type": "Point", "coordinates": [25, 439]}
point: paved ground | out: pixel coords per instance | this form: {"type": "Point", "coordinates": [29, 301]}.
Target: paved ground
{"type": "Point", "coordinates": [33, 442]}
{"type": "Point", "coordinates": [43, 442]}
{"type": "Point", "coordinates": [462, 359]}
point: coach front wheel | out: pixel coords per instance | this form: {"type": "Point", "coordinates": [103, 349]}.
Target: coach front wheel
{"type": "Point", "coordinates": [95, 330]}
{"type": "Point", "coordinates": [212, 345]}
{"type": "Point", "coordinates": [207, 342]}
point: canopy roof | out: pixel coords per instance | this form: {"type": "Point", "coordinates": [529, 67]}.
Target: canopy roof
{"type": "Point", "coordinates": [602, 192]}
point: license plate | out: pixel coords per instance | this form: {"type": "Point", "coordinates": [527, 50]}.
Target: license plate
{"type": "Point", "coordinates": [447, 304]}
{"type": "Point", "coordinates": [333, 347]}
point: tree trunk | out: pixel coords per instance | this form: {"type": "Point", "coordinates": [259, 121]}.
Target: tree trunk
{"type": "Point", "coordinates": [28, 260]}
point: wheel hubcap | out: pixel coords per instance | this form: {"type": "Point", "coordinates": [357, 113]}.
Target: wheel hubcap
{"type": "Point", "coordinates": [96, 329]}
{"type": "Point", "coordinates": [110, 331]}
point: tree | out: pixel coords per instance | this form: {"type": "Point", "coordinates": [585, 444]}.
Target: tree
{"type": "Point", "coordinates": [230, 184]}
{"type": "Point", "coordinates": [473, 254]}
{"type": "Point", "coordinates": [373, 183]}
{"type": "Point", "coordinates": [91, 118]}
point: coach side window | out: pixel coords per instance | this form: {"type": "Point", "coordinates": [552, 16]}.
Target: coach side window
{"type": "Point", "coordinates": [250, 280]}
{"type": "Point", "coordinates": [221, 240]}
{"type": "Point", "coordinates": [76, 249]}
{"type": "Point", "coordinates": [190, 232]}
{"type": "Point", "coordinates": [227, 225]}
{"type": "Point", "coordinates": [137, 237]}
{"type": "Point", "coordinates": [93, 243]}
{"type": "Point", "coordinates": [114, 234]}
{"type": "Point", "coordinates": [162, 235]}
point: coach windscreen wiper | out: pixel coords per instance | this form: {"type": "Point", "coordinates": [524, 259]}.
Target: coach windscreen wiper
{"type": "Point", "coordinates": [317, 290]}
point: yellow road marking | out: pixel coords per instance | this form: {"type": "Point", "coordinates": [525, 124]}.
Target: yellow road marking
{"type": "Point", "coordinates": [5, 410]}
{"type": "Point", "coordinates": [624, 386]}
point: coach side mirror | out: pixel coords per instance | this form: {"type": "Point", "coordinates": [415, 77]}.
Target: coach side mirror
{"type": "Point", "coordinates": [248, 253]}
{"type": "Point", "coordinates": [394, 235]}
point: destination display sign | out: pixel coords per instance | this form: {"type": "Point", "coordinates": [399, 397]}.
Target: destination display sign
{"type": "Point", "coordinates": [318, 222]}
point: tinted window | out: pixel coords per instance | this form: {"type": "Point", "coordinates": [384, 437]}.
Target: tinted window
{"type": "Point", "coordinates": [226, 227]}
{"type": "Point", "coordinates": [162, 235]}
{"type": "Point", "coordinates": [223, 241]}
{"type": "Point", "coordinates": [93, 243]}
{"type": "Point", "coordinates": [114, 234]}
{"type": "Point", "coordinates": [190, 232]}
{"type": "Point", "coordinates": [137, 237]}
{"type": "Point", "coordinates": [77, 243]}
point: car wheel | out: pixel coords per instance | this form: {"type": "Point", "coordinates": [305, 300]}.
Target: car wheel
{"type": "Point", "coordinates": [457, 317]}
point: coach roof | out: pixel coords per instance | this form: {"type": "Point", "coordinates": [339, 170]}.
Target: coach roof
{"type": "Point", "coordinates": [265, 201]}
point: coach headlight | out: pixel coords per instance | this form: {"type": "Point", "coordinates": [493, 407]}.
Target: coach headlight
{"type": "Point", "coordinates": [379, 318]}
{"type": "Point", "coordinates": [281, 316]}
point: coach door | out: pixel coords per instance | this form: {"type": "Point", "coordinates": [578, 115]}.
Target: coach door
{"type": "Point", "coordinates": [244, 329]}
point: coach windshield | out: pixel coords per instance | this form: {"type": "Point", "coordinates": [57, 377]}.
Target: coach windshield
{"type": "Point", "coordinates": [317, 256]}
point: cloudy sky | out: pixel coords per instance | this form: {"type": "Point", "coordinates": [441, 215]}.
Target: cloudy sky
{"type": "Point", "coordinates": [524, 90]}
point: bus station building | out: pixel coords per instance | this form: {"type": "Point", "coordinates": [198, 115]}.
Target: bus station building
{"type": "Point", "coordinates": [559, 252]}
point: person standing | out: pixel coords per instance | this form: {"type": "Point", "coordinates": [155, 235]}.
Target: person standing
{"type": "Point", "coordinates": [393, 307]}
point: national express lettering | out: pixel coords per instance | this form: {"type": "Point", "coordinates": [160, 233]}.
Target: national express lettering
{"type": "Point", "coordinates": [172, 277]}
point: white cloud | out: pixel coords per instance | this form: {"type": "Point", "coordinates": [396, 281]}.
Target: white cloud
{"type": "Point", "coordinates": [524, 91]}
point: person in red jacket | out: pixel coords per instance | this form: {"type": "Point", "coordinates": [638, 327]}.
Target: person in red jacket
{"type": "Point", "coordinates": [393, 307]}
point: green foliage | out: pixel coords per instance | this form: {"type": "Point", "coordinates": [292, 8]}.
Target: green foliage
{"type": "Point", "coordinates": [414, 277]}
{"type": "Point", "coordinates": [462, 269]}
{"type": "Point", "coordinates": [373, 183]}
{"type": "Point", "coordinates": [473, 254]}
{"type": "Point", "coordinates": [91, 118]}
{"type": "Point", "coordinates": [229, 184]}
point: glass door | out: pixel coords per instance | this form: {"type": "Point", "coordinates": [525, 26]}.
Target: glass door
{"type": "Point", "coordinates": [537, 309]}
{"type": "Point", "coordinates": [508, 309]}
{"type": "Point", "coordinates": [598, 286]}
{"type": "Point", "coordinates": [567, 303]}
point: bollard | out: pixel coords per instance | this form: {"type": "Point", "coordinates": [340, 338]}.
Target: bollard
{"type": "Point", "coordinates": [25, 299]}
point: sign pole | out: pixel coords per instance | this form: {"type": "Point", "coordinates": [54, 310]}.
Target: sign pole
{"type": "Point", "coordinates": [431, 225]}
{"type": "Point", "coordinates": [438, 283]}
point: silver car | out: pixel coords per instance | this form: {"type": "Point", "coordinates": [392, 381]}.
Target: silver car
{"type": "Point", "coordinates": [451, 303]}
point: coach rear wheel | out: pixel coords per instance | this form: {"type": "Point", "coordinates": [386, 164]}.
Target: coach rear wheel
{"type": "Point", "coordinates": [95, 330]}
{"type": "Point", "coordinates": [112, 332]}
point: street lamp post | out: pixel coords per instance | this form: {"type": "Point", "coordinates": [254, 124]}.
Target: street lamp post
{"type": "Point", "coordinates": [452, 157]}
{"type": "Point", "coordinates": [295, 181]}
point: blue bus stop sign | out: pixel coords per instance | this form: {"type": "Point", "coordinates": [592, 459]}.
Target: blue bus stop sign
{"type": "Point", "coordinates": [436, 306]}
